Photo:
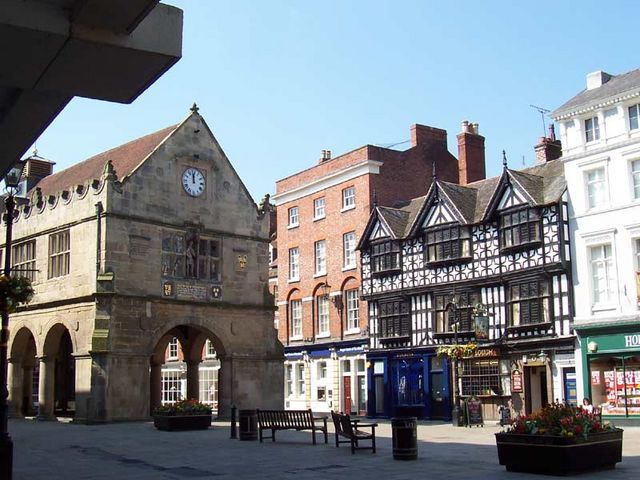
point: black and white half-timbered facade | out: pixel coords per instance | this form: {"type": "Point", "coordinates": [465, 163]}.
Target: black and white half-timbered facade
{"type": "Point", "coordinates": [497, 247]}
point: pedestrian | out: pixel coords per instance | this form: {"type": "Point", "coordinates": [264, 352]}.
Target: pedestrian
{"type": "Point", "coordinates": [586, 405]}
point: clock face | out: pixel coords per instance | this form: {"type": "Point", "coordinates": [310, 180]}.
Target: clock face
{"type": "Point", "coordinates": [193, 182]}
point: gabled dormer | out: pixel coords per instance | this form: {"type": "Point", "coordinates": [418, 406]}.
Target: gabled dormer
{"type": "Point", "coordinates": [444, 223]}
{"type": "Point", "coordinates": [515, 206]}
{"type": "Point", "coordinates": [382, 237]}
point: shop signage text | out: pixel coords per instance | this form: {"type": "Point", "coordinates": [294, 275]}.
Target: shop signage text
{"type": "Point", "coordinates": [516, 381]}
{"type": "Point", "coordinates": [632, 340]}
{"type": "Point", "coordinates": [486, 352]}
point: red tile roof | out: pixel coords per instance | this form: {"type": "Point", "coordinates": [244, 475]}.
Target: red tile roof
{"type": "Point", "coordinates": [125, 159]}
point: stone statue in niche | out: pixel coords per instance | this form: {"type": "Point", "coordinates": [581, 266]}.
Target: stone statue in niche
{"type": "Point", "coordinates": [191, 255]}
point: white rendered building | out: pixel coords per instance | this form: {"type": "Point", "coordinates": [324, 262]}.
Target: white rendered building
{"type": "Point", "coordinates": [600, 133]}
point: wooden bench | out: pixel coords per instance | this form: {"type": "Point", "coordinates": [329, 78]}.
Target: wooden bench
{"type": "Point", "coordinates": [290, 420]}
{"type": "Point", "coordinates": [350, 429]}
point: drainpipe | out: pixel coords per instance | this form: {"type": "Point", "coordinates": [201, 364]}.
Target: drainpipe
{"type": "Point", "coordinates": [99, 210]}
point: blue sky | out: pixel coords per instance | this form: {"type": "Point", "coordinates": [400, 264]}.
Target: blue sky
{"type": "Point", "coordinates": [279, 81]}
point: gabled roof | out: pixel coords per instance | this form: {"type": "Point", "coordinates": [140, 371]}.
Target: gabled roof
{"type": "Point", "coordinates": [541, 185]}
{"type": "Point", "coordinates": [616, 88]}
{"type": "Point", "coordinates": [124, 158]}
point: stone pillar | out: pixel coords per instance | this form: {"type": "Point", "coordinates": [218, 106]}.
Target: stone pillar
{"type": "Point", "coordinates": [193, 379]}
{"type": "Point", "coordinates": [84, 395]}
{"type": "Point", "coordinates": [155, 387]}
{"type": "Point", "coordinates": [226, 396]}
{"type": "Point", "coordinates": [46, 392]}
{"type": "Point", "coordinates": [14, 386]}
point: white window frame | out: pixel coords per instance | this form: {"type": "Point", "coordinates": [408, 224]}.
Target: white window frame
{"type": "Point", "coordinates": [295, 312]}
{"type": "Point", "coordinates": [348, 198]}
{"type": "Point", "coordinates": [594, 131]}
{"type": "Point", "coordinates": [319, 208]}
{"type": "Point", "coordinates": [209, 349]}
{"type": "Point", "coordinates": [588, 184]}
{"type": "Point", "coordinates": [171, 385]}
{"type": "Point", "coordinates": [173, 349]}
{"type": "Point", "coordinates": [288, 379]}
{"type": "Point", "coordinates": [320, 257]}
{"type": "Point", "coordinates": [23, 259]}
{"type": "Point", "coordinates": [294, 264]}
{"type": "Point", "coordinates": [352, 303]}
{"type": "Point", "coordinates": [634, 166]}
{"type": "Point", "coordinates": [349, 250]}
{"type": "Point", "coordinates": [630, 108]}
{"type": "Point", "coordinates": [294, 217]}
{"type": "Point", "coordinates": [299, 380]}
{"type": "Point", "coordinates": [322, 309]}
{"type": "Point", "coordinates": [207, 378]}
{"type": "Point", "coordinates": [610, 275]}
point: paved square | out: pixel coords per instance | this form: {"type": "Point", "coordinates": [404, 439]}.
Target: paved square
{"type": "Point", "coordinates": [51, 450]}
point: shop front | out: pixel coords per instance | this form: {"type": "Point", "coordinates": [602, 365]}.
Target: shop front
{"type": "Point", "coordinates": [611, 371]}
{"type": "Point", "coordinates": [408, 384]}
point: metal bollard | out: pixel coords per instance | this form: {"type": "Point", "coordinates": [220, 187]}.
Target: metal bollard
{"type": "Point", "coordinates": [234, 428]}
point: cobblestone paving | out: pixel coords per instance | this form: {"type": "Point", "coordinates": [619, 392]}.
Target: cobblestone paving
{"type": "Point", "coordinates": [52, 450]}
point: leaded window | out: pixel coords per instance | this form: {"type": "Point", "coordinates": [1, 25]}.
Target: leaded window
{"type": "Point", "coordinates": [394, 319]}
{"type": "Point", "coordinates": [448, 243]}
{"type": "Point", "coordinates": [519, 227]}
{"type": "Point", "coordinates": [452, 314]}
{"type": "Point", "coordinates": [529, 303]}
{"type": "Point", "coordinates": [59, 254]}
{"type": "Point", "coordinates": [385, 257]}
{"type": "Point", "coordinates": [481, 377]}
{"type": "Point", "coordinates": [23, 260]}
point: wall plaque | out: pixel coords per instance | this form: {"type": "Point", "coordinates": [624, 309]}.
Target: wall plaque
{"type": "Point", "coordinates": [186, 291]}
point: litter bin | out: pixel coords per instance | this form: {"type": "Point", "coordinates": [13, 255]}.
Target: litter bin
{"type": "Point", "coordinates": [405, 438]}
{"type": "Point", "coordinates": [248, 423]}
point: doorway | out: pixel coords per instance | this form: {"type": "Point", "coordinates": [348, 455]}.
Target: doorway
{"type": "Point", "coordinates": [536, 393]}
{"type": "Point", "coordinates": [346, 388]}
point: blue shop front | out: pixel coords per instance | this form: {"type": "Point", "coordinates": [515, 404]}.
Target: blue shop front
{"type": "Point", "coordinates": [408, 384]}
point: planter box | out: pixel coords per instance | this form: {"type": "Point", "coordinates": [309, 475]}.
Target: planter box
{"type": "Point", "coordinates": [176, 423]}
{"type": "Point", "coordinates": [559, 455]}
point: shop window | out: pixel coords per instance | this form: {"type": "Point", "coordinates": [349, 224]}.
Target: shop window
{"type": "Point", "coordinates": [481, 377]}
{"type": "Point", "coordinates": [300, 385]}
{"type": "Point", "coordinates": [409, 378]}
{"type": "Point", "coordinates": [385, 257]}
{"type": "Point", "coordinates": [394, 319]}
{"type": "Point", "coordinates": [288, 379]}
{"type": "Point", "coordinates": [529, 303]}
{"type": "Point", "coordinates": [519, 228]}
{"type": "Point", "coordinates": [208, 386]}
{"type": "Point", "coordinates": [171, 386]}
{"type": "Point", "coordinates": [461, 314]}
{"type": "Point", "coordinates": [448, 244]}
{"type": "Point", "coordinates": [615, 384]}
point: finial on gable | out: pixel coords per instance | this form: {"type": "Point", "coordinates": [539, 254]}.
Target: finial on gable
{"type": "Point", "coordinates": [194, 108]}
{"type": "Point", "coordinates": [434, 177]}
{"type": "Point", "coordinates": [375, 199]}
{"type": "Point", "coordinates": [504, 159]}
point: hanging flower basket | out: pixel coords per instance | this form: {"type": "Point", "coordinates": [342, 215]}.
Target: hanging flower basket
{"type": "Point", "coordinates": [457, 351]}
{"type": "Point", "coordinates": [14, 291]}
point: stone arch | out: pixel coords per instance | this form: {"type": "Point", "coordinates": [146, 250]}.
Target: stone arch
{"type": "Point", "coordinates": [57, 378]}
{"type": "Point", "coordinates": [193, 364]}
{"type": "Point", "coordinates": [23, 372]}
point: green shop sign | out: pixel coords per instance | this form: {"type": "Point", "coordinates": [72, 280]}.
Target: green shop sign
{"type": "Point", "coordinates": [619, 342]}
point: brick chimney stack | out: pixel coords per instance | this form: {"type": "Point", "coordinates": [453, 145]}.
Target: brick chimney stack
{"type": "Point", "coordinates": [423, 135]}
{"type": "Point", "coordinates": [548, 148]}
{"type": "Point", "coordinates": [471, 167]}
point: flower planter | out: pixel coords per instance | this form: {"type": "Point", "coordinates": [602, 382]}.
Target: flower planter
{"type": "Point", "coordinates": [172, 423]}
{"type": "Point", "coordinates": [556, 455]}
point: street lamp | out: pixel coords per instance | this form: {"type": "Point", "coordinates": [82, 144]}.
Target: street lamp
{"type": "Point", "coordinates": [11, 180]}
{"type": "Point", "coordinates": [452, 309]}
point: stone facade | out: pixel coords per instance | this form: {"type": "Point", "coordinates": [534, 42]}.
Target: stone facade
{"type": "Point", "coordinates": [145, 262]}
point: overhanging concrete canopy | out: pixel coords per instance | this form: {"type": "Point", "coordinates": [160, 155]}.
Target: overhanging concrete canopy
{"type": "Point", "coordinates": [53, 50]}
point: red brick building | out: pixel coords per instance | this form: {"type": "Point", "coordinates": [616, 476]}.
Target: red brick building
{"type": "Point", "coordinates": [320, 214]}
